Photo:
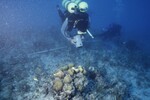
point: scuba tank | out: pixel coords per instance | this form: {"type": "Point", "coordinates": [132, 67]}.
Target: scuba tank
{"type": "Point", "coordinates": [66, 2]}
{"type": "Point", "coordinates": [76, 1]}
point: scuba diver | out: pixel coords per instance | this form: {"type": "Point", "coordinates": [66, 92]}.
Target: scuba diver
{"type": "Point", "coordinates": [75, 17]}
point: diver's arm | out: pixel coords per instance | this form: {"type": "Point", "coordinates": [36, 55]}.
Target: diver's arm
{"type": "Point", "coordinates": [89, 21]}
{"type": "Point", "coordinates": [61, 14]}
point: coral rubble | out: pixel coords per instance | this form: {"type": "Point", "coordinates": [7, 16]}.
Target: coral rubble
{"type": "Point", "coordinates": [72, 84]}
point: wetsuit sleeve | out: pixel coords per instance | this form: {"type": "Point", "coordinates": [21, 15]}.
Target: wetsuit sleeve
{"type": "Point", "coordinates": [88, 21]}
{"type": "Point", "coordinates": [61, 15]}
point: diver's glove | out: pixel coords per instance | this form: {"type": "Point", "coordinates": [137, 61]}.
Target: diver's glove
{"type": "Point", "coordinates": [57, 6]}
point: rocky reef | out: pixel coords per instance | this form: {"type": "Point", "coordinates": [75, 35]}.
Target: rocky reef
{"type": "Point", "coordinates": [99, 71]}
{"type": "Point", "coordinates": [69, 82]}
{"type": "Point", "coordinates": [77, 83]}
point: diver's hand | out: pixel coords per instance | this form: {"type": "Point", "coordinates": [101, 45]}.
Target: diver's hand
{"type": "Point", "coordinates": [57, 6]}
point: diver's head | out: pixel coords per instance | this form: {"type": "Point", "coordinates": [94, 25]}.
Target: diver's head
{"type": "Point", "coordinates": [83, 6]}
{"type": "Point", "coordinates": [72, 7]}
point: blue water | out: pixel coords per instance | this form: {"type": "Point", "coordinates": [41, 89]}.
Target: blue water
{"type": "Point", "coordinates": [132, 15]}
{"type": "Point", "coordinates": [30, 36]}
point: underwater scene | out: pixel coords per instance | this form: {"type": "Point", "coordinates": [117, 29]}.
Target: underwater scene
{"type": "Point", "coordinates": [74, 50]}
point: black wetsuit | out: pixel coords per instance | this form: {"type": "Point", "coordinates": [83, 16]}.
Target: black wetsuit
{"type": "Point", "coordinates": [82, 21]}
{"type": "Point", "coordinates": [79, 20]}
